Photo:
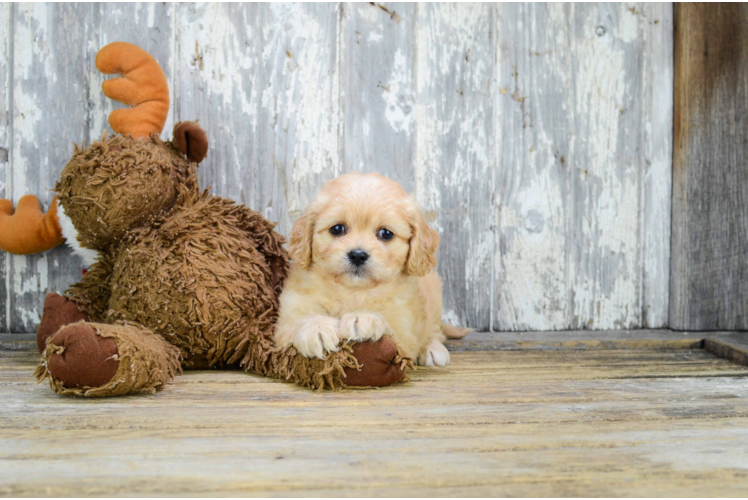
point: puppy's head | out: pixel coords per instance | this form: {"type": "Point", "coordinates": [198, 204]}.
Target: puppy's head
{"type": "Point", "coordinates": [362, 230]}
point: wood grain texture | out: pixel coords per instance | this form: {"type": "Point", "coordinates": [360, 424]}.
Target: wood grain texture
{"type": "Point", "coordinates": [455, 148]}
{"type": "Point", "coordinates": [583, 166]}
{"type": "Point", "coordinates": [378, 72]}
{"type": "Point", "coordinates": [538, 144]}
{"type": "Point", "coordinates": [219, 51]}
{"type": "Point", "coordinates": [709, 273]}
{"type": "Point", "coordinates": [52, 63]}
{"type": "Point", "coordinates": [578, 340]}
{"type": "Point", "coordinates": [5, 139]}
{"type": "Point", "coordinates": [732, 346]}
{"type": "Point", "coordinates": [660, 339]}
{"type": "Point", "coordinates": [654, 137]}
{"type": "Point", "coordinates": [584, 423]}
{"type": "Point", "coordinates": [298, 126]}
{"type": "Point", "coordinates": [147, 25]}
{"type": "Point", "coordinates": [262, 80]}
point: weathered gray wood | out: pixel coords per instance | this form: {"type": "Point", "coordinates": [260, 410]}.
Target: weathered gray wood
{"type": "Point", "coordinates": [709, 270]}
{"type": "Point", "coordinates": [577, 340]}
{"type": "Point", "coordinates": [471, 107]}
{"type": "Point", "coordinates": [378, 80]}
{"type": "Point", "coordinates": [18, 342]}
{"type": "Point", "coordinates": [148, 25]}
{"type": "Point", "coordinates": [532, 197]}
{"type": "Point", "coordinates": [455, 149]}
{"type": "Point", "coordinates": [578, 166]}
{"type": "Point", "coordinates": [5, 140]}
{"type": "Point", "coordinates": [528, 424]}
{"type": "Point", "coordinates": [732, 347]}
{"type": "Point", "coordinates": [729, 345]}
{"type": "Point", "coordinates": [52, 63]}
{"type": "Point", "coordinates": [655, 138]}
{"type": "Point", "coordinates": [298, 117]}
{"type": "Point", "coordinates": [219, 52]}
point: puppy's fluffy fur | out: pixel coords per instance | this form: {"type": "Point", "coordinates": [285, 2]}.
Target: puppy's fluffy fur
{"type": "Point", "coordinates": [327, 297]}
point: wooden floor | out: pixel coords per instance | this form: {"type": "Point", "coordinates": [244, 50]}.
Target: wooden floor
{"type": "Point", "coordinates": [622, 422]}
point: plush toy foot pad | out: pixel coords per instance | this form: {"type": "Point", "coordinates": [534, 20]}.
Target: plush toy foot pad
{"type": "Point", "coordinates": [81, 358]}
{"type": "Point", "coordinates": [98, 360]}
{"type": "Point", "coordinates": [58, 312]}
{"type": "Point", "coordinates": [381, 364]}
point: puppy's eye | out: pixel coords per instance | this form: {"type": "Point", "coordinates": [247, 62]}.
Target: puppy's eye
{"type": "Point", "coordinates": [385, 234]}
{"type": "Point", "coordinates": [337, 230]}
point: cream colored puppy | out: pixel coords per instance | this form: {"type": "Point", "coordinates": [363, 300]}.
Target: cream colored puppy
{"type": "Point", "coordinates": [363, 259]}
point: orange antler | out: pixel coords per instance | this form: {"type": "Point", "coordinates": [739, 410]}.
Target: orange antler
{"type": "Point", "coordinates": [142, 86]}
{"type": "Point", "coordinates": [29, 230]}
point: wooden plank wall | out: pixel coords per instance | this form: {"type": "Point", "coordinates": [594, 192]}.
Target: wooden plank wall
{"type": "Point", "coordinates": [537, 137]}
{"type": "Point", "coordinates": [5, 9]}
{"type": "Point", "coordinates": [583, 177]}
{"type": "Point", "coordinates": [709, 281]}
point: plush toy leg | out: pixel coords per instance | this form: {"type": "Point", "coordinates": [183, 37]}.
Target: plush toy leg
{"type": "Point", "coordinates": [379, 364]}
{"type": "Point", "coordinates": [58, 312]}
{"type": "Point", "coordinates": [356, 364]}
{"type": "Point", "coordinates": [95, 359]}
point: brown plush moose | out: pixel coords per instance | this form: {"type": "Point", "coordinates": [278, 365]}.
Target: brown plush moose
{"type": "Point", "coordinates": [177, 278]}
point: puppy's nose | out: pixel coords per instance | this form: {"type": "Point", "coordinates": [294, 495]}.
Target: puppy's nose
{"type": "Point", "coordinates": [358, 257]}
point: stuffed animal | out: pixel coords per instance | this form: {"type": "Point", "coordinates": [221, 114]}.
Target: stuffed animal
{"type": "Point", "coordinates": [177, 278]}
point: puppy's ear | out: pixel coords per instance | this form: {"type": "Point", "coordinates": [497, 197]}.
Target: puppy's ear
{"type": "Point", "coordinates": [300, 245]}
{"type": "Point", "coordinates": [423, 243]}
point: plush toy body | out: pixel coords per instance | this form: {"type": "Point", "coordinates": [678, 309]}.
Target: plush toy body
{"type": "Point", "coordinates": [178, 278]}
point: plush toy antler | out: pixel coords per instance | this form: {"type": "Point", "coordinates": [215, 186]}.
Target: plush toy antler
{"type": "Point", "coordinates": [29, 230]}
{"type": "Point", "coordinates": [142, 86]}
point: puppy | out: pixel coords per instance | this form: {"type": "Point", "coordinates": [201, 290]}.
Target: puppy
{"type": "Point", "coordinates": [363, 266]}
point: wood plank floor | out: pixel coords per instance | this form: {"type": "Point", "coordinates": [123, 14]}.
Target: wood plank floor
{"type": "Point", "coordinates": [580, 423]}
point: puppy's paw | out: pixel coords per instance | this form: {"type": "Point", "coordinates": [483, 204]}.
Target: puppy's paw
{"type": "Point", "coordinates": [435, 354]}
{"type": "Point", "coordinates": [315, 335]}
{"type": "Point", "coordinates": [361, 326]}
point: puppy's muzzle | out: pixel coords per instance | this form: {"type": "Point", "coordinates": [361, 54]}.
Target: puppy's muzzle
{"type": "Point", "coordinates": [358, 257]}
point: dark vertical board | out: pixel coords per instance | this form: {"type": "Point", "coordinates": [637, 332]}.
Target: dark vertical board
{"type": "Point", "coordinates": [52, 62]}
{"type": "Point", "coordinates": [709, 273]}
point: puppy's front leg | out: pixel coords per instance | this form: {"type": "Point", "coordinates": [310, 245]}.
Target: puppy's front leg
{"type": "Point", "coordinates": [362, 326]}
{"type": "Point", "coordinates": [313, 335]}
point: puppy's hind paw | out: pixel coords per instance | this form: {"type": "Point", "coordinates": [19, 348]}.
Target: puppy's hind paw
{"type": "Point", "coordinates": [362, 326]}
{"type": "Point", "coordinates": [317, 335]}
{"type": "Point", "coordinates": [435, 354]}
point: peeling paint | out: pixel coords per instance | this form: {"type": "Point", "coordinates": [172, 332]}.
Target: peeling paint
{"type": "Point", "coordinates": [576, 137]}
{"type": "Point", "coordinates": [539, 142]}
{"type": "Point", "coordinates": [396, 95]}
{"type": "Point", "coordinates": [5, 145]}
{"type": "Point", "coordinates": [316, 135]}
{"type": "Point", "coordinates": [454, 149]}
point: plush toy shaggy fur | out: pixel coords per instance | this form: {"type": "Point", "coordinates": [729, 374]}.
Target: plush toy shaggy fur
{"type": "Point", "coordinates": [181, 279]}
